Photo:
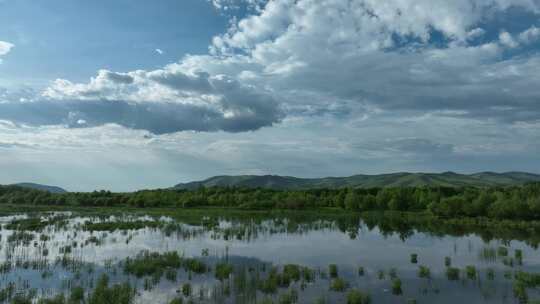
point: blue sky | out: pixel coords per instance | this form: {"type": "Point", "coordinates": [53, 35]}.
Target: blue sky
{"type": "Point", "coordinates": [125, 95]}
{"type": "Point", "coordinates": [73, 39]}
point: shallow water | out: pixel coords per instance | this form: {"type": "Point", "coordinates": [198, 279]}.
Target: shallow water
{"type": "Point", "coordinates": [259, 245]}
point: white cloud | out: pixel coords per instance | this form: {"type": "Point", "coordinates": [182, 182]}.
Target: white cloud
{"type": "Point", "coordinates": [475, 33]}
{"type": "Point", "coordinates": [507, 40]}
{"type": "Point", "coordinates": [5, 47]}
{"type": "Point", "coordinates": [530, 35]}
{"type": "Point", "coordinates": [313, 56]}
{"type": "Point", "coordinates": [160, 51]}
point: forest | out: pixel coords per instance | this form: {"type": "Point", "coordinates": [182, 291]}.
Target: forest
{"type": "Point", "coordinates": [516, 202]}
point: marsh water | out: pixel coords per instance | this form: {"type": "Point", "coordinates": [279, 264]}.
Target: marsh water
{"type": "Point", "coordinates": [45, 254]}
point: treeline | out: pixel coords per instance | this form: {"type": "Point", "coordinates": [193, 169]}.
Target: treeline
{"type": "Point", "coordinates": [519, 202]}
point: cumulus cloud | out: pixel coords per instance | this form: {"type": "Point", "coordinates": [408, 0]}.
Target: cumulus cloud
{"type": "Point", "coordinates": [530, 35]}
{"type": "Point", "coordinates": [5, 47]}
{"type": "Point", "coordinates": [226, 5]}
{"type": "Point", "coordinates": [507, 40]}
{"type": "Point", "coordinates": [311, 57]}
{"type": "Point", "coordinates": [160, 101]}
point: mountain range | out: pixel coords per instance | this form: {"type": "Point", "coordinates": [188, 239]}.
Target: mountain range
{"type": "Point", "coordinates": [51, 189]}
{"type": "Point", "coordinates": [402, 179]}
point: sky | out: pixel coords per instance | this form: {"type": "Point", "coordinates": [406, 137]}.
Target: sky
{"type": "Point", "coordinates": [133, 94]}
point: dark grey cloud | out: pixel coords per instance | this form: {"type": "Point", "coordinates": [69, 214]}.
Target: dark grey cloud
{"type": "Point", "coordinates": [179, 81]}
{"type": "Point", "coordinates": [119, 77]}
{"type": "Point", "coordinates": [156, 117]}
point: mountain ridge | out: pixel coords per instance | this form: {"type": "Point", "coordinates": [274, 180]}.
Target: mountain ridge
{"type": "Point", "coordinates": [51, 189]}
{"type": "Point", "coordinates": [398, 179]}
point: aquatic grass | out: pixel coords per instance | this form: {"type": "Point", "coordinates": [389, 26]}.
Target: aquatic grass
{"type": "Point", "coordinates": [424, 272]}
{"type": "Point", "coordinates": [333, 270]}
{"type": "Point", "coordinates": [396, 287]}
{"type": "Point", "coordinates": [338, 284]}
{"type": "Point", "coordinates": [292, 272]}
{"type": "Point", "coordinates": [148, 263]}
{"type": "Point", "coordinates": [518, 255]}
{"type": "Point", "coordinates": [29, 224]}
{"type": "Point", "coordinates": [452, 273]}
{"type": "Point", "coordinates": [120, 225]}
{"type": "Point", "coordinates": [508, 261]}
{"type": "Point", "coordinates": [488, 254]}
{"type": "Point", "coordinates": [502, 251]}
{"type": "Point", "coordinates": [288, 297]}
{"type": "Point", "coordinates": [392, 273]}
{"type": "Point", "coordinates": [118, 293]}
{"type": "Point", "coordinates": [490, 274]}
{"type": "Point", "coordinates": [470, 271]}
{"type": "Point", "coordinates": [223, 271]}
{"type": "Point", "coordinates": [355, 296]}
{"type": "Point", "coordinates": [186, 289]}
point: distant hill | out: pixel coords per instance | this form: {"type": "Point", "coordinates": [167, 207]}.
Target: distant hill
{"type": "Point", "coordinates": [404, 179]}
{"type": "Point", "coordinates": [51, 189]}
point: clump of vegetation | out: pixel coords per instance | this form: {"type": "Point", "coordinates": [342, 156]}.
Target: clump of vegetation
{"type": "Point", "coordinates": [119, 225]}
{"type": "Point", "coordinates": [30, 224]}
{"type": "Point", "coordinates": [118, 293]}
{"type": "Point", "coordinates": [308, 274]}
{"type": "Point", "coordinates": [361, 271]}
{"type": "Point", "coordinates": [530, 280]}
{"type": "Point", "coordinates": [292, 272]}
{"type": "Point", "coordinates": [338, 284]}
{"type": "Point", "coordinates": [518, 255]}
{"type": "Point", "coordinates": [490, 274]}
{"type": "Point", "coordinates": [151, 263]}
{"type": "Point", "coordinates": [452, 273]}
{"type": "Point", "coordinates": [333, 270]}
{"type": "Point", "coordinates": [520, 292]}
{"type": "Point", "coordinates": [223, 271]}
{"type": "Point", "coordinates": [355, 296]}
{"type": "Point", "coordinates": [186, 289]}
{"type": "Point", "coordinates": [502, 251]}
{"type": "Point", "coordinates": [21, 237]}
{"type": "Point", "coordinates": [414, 258]}
{"type": "Point", "coordinates": [392, 273]}
{"type": "Point", "coordinates": [447, 261]}
{"type": "Point", "coordinates": [424, 272]}
{"type": "Point", "coordinates": [471, 272]}
{"type": "Point", "coordinates": [508, 261]}
{"type": "Point", "coordinates": [288, 297]}
{"type": "Point", "coordinates": [396, 287]}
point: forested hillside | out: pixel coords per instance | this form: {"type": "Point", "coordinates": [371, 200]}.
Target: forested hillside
{"type": "Point", "coordinates": [446, 179]}
{"type": "Point", "coordinates": [516, 202]}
